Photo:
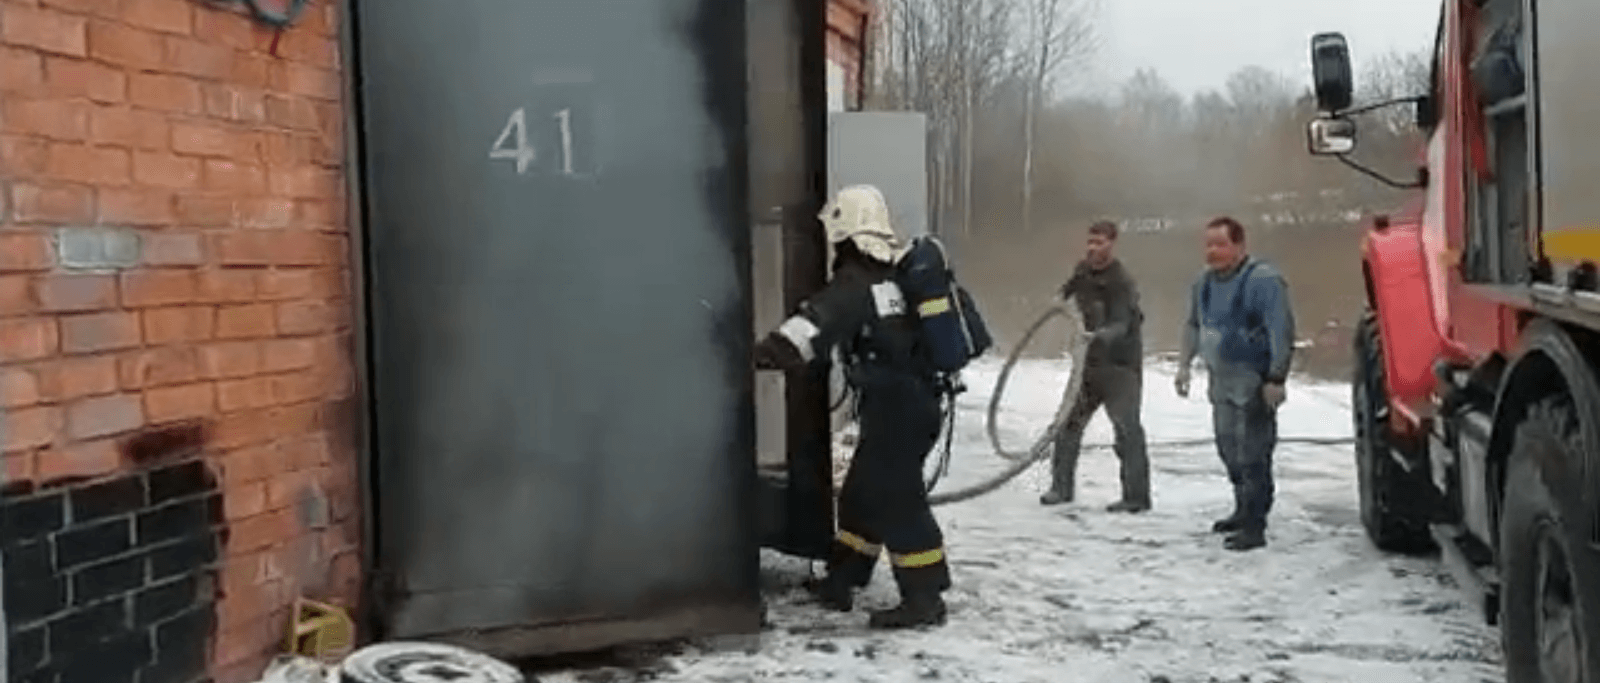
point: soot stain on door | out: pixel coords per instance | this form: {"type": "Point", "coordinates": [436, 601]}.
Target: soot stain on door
{"type": "Point", "coordinates": [111, 579]}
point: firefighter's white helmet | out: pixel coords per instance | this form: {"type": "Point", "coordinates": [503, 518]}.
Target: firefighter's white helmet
{"type": "Point", "coordinates": [858, 213]}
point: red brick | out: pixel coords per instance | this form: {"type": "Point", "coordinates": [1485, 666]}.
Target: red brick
{"type": "Point", "coordinates": [311, 81]}
{"type": "Point", "coordinates": [135, 207]}
{"type": "Point", "coordinates": [227, 285]}
{"type": "Point", "coordinates": [251, 70]}
{"type": "Point", "coordinates": [297, 386]}
{"type": "Point", "coordinates": [159, 367]}
{"type": "Point", "coordinates": [300, 248]}
{"type": "Point", "coordinates": [52, 203]}
{"type": "Point", "coordinates": [310, 47]}
{"type": "Point", "coordinates": [266, 213]}
{"type": "Point", "coordinates": [21, 71]}
{"type": "Point", "coordinates": [317, 213]}
{"type": "Point", "coordinates": [166, 170]}
{"type": "Point", "coordinates": [84, 460]}
{"type": "Point", "coordinates": [30, 427]}
{"type": "Point", "coordinates": [24, 156]}
{"type": "Point", "coordinates": [93, 165]}
{"type": "Point", "coordinates": [205, 140]}
{"type": "Point", "coordinates": [245, 500]}
{"type": "Point", "coordinates": [179, 324]}
{"type": "Point", "coordinates": [244, 394]}
{"type": "Point", "coordinates": [180, 402]}
{"type": "Point", "coordinates": [261, 531]}
{"type": "Point", "coordinates": [296, 113]}
{"type": "Point", "coordinates": [304, 317]}
{"type": "Point", "coordinates": [93, 332]}
{"type": "Point", "coordinates": [18, 388]}
{"type": "Point", "coordinates": [95, 8]}
{"type": "Point", "coordinates": [233, 29]}
{"type": "Point", "coordinates": [159, 288]}
{"type": "Point", "coordinates": [68, 77]}
{"type": "Point", "coordinates": [231, 359]}
{"type": "Point", "coordinates": [46, 30]}
{"type": "Point", "coordinates": [245, 322]}
{"type": "Point", "coordinates": [164, 93]}
{"type": "Point", "coordinates": [249, 465]}
{"type": "Point", "coordinates": [173, 249]}
{"type": "Point", "coordinates": [228, 102]}
{"type": "Point", "coordinates": [25, 251]}
{"type": "Point", "coordinates": [103, 416]}
{"type": "Point", "coordinates": [16, 295]}
{"type": "Point", "coordinates": [167, 16]}
{"type": "Point", "coordinates": [205, 211]}
{"type": "Point", "coordinates": [131, 128]}
{"type": "Point", "coordinates": [27, 339]}
{"type": "Point", "coordinates": [57, 293]}
{"type": "Point", "coordinates": [57, 119]}
{"type": "Point", "coordinates": [279, 284]}
{"type": "Point", "coordinates": [227, 176]}
{"type": "Point", "coordinates": [245, 248]}
{"type": "Point", "coordinates": [199, 59]}
{"type": "Point", "coordinates": [20, 467]}
{"type": "Point", "coordinates": [71, 378]}
{"type": "Point", "coordinates": [303, 182]}
{"type": "Point", "coordinates": [125, 45]}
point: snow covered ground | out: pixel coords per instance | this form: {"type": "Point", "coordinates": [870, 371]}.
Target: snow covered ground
{"type": "Point", "coordinates": [1077, 595]}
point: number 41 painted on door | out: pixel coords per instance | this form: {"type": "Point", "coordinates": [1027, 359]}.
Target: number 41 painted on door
{"type": "Point", "coordinates": [513, 144]}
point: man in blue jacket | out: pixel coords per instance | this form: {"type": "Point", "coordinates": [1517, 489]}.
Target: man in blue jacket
{"type": "Point", "coordinates": [1241, 324]}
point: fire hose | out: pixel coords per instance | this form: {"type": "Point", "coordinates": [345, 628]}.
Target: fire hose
{"type": "Point", "coordinates": [1045, 444]}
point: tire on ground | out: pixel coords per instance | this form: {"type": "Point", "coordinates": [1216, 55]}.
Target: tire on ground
{"type": "Point", "coordinates": [1382, 483]}
{"type": "Point", "coordinates": [1543, 546]}
{"type": "Point", "coordinates": [419, 662]}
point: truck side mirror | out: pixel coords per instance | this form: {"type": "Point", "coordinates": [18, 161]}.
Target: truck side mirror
{"type": "Point", "coordinates": [1330, 72]}
{"type": "Point", "coordinates": [1330, 136]}
{"type": "Point", "coordinates": [1427, 112]}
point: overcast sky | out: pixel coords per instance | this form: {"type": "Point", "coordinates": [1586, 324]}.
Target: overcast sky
{"type": "Point", "coordinates": [1195, 44]}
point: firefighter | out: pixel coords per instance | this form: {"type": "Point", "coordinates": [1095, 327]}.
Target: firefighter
{"type": "Point", "coordinates": [1113, 373]}
{"type": "Point", "coordinates": [883, 502]}
{"type": "Point", "coordinates": [1241, 324]}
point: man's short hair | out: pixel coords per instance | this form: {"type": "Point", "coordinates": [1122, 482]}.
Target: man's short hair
{"type": "Point", "coordinates": [1105, 229]}
{"type": "Point", "coordinates": [1235, 230]}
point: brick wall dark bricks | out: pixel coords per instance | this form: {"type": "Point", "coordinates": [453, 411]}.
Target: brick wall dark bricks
{"type": "Point", "coordinates": [112, 580]}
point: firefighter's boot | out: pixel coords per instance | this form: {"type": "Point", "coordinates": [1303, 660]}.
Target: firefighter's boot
{"type": "Point", "coordinates": [833, 593]}
{"type": "Point", "coordinates": [1056, 496]}
{"type": "Point", "coordinates": [1248, 537]}
{"type": "Point", "coordinates": [916, 610]}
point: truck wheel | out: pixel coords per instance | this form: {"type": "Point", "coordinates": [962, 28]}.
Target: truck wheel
{"type": "Point", "coordinates": [1546, 610]}
{"type": "Point", "coordinates": [418, 662]}
{"type": "Point", "coordinates": [1381, 482]}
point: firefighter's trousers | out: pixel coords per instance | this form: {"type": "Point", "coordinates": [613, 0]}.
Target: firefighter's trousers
{"type": "Point", "coordinates": [883, 503]}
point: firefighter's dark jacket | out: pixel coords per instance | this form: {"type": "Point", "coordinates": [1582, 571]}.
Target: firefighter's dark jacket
{"type": "Point", "coordinates": [1110, 302]}
{"type": "Point", "coordinates": [838, 315]}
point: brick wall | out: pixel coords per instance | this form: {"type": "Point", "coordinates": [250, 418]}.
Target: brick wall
{"type": "Point", "coordinates": [844, 43]}
{"type": "Point", "coordinates": [174, 336]}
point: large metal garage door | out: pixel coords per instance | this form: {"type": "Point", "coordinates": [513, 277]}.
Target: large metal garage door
{"type": "Point", "coordinates": [557, 247]}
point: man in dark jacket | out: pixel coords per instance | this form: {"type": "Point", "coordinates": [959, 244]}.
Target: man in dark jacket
{"type": "Point", "coordinates": [1113, 372]}
{"type": "Point", "coordinates": [1240, 323]}
{"type": "Point", "coordinates": [883, 503]}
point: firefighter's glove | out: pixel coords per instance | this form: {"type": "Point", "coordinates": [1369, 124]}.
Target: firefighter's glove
{"type": "Point", "coordinates": [1181, 382]}
{"type": "Point", "coordinates": [1274, 394]}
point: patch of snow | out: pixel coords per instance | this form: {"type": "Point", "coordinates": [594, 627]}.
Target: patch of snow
{"type": "Point", "coordinates": [1075, 594]}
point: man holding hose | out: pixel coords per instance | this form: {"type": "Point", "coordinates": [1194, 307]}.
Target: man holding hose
{"type": "Point", "coordinates": [1241, 324]}
{"type": "Point", "coordinates": [1113, 373]}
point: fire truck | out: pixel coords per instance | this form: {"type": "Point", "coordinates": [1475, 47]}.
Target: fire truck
{"type": "Point", "coordinates": [1476, 400]}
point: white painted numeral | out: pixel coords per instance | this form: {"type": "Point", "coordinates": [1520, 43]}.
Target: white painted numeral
{"type": "Point", "coordinates": [565, 118]}
{"type": "Point", "coordinates": [517, 129]}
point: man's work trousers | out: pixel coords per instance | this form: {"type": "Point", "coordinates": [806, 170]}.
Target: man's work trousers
{"type": "Point", "coordinates": [1246, 436]}
{"type": "Point", "coordinates": [1119, 389]}
{"type": "Point", "coordinates": [884, 501]}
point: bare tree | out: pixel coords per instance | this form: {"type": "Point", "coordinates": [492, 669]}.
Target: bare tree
{"type": "Point", "coordinates": [1061, 32]}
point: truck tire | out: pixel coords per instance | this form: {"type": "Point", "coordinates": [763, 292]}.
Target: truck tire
{"type": "Point", "coordinates": [1545, 611]}
{"type": "Point", "coordinates": [1381, 482]}
{"type": "Point", "coordinates": [421, 662]}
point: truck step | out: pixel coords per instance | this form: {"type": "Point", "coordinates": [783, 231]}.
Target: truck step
{"type": "Point", "coordinates": [1480, 580]}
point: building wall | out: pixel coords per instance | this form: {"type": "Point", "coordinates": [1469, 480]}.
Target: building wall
{"type": "Point", "coordinates": [174, 337]}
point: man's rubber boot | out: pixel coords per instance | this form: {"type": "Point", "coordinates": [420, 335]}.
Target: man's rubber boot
{"type": "Point", "coordinates": [1229, 524]}
{"type": "Point", "coordinates": [833, 594]}
{"type": "Point", "coordinates": [1246, 539]}
{"type": "Point", "coordinates": [1129, 506]}
{"type": "Point", "coordinates": [916, 610]}
{"type": "Point", "coordinates": [1055, 496]}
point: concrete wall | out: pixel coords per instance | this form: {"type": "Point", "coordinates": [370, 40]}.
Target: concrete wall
{"type": "Point", "coordinates": [173, 336]}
